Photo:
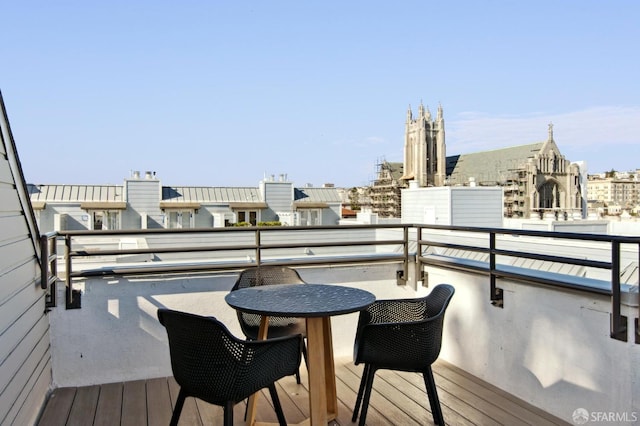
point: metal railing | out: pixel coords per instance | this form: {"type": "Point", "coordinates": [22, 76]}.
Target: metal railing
{"type": "Point", "coordinates": [497, 270]}
{"type": "Point", "coordinates": [238, 248]}
{"type": "Point", "coordinates": [223, 242]}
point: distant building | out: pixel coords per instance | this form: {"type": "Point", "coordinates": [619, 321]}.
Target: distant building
{"type": "Point", "coordinates": [612, 193]}
{"type": "Point", "coordinates": [385, 193]}
{"type": "Point", "coordinates": [537, 179]}
{"type": "Point", "coordinates": [143, 203]}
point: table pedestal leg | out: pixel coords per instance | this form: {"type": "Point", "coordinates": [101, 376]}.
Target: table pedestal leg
{"type": "Point", "coordinates": [323, 401]}
{"type": "Point", "coordinates": [251, 404]}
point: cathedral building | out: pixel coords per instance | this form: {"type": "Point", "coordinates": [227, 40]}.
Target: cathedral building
{"type": "Point", "coordinates": [537, 180]}
{"type": "Point", "coordinates": [424, 148]}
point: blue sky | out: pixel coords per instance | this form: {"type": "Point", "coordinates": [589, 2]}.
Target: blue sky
{"type": "Point", "coordinates": [222, 93]}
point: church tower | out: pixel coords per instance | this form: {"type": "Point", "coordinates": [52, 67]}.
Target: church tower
{"type": "Point", "coordinates": [424, 148]}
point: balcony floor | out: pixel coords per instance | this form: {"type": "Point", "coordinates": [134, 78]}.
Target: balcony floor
{"type": "Point", "coordinates": [397, 399]}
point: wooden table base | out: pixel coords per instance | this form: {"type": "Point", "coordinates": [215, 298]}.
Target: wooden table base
{"type": "Point", "coordinates": [323, 399]}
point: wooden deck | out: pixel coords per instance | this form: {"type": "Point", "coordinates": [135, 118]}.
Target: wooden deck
{"type": "Point", "coordinates": [397, 399]}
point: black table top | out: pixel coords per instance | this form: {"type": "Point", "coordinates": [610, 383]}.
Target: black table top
{"type": "Point", "coordinates": [300, 300]}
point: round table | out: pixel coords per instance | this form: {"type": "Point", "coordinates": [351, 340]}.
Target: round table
{"type": "Point", "coordinates": [317, 303]}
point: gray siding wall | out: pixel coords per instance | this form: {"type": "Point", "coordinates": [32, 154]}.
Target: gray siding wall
{"type": "Point", "coordinates": [458, 206]}
{"type": "Point", "coordinates": [25, 357]}
{"type": "Point", "coordinates": [143, 196]}
{"type": "Point", "coordinates": [473, 206]}
{"type": "Point", "coordinates": [279, 198]}
{"type": "Point", "coordinates": [332, 215]}
{"type": "Point", "coordinates": [73, 217]}
{"type": "Point", "coordinates": [426, 205]}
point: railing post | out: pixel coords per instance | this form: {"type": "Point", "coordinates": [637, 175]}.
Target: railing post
{"type": "Point", "coordinates": [258, 251]}
{"type": "Point", "coordinates": [44, 262]}
{"type": "Point", "coordinates": [497, 297]}
{"type": "Point", "coordinates": [72, 296]}
{"type": "Point", "coordinates": [618, 321]}
{"type": "Point", "coordinates": [420, 276]}
{"type": "Point", "coordinates": [403, 276]}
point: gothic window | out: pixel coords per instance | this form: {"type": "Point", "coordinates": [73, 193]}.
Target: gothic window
{"type": "Point", "coordinates": [549, 196]}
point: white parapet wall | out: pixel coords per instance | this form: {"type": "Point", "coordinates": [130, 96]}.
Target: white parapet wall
{"type": "Point", "coordinates": [116, 336]}
{"type": "Point", "coordinates": [549, 347]}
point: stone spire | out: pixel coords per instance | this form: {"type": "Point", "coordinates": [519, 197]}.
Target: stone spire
{"type": "Point", "coordinates": [550, 132]}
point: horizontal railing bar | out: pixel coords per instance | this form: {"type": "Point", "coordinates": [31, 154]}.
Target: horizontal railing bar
{"type": "Point", "coordinates": [560, 259]}
{"type": "Point", "coordinates": [500, 273]}
{"type": "Point", "coordinates": [534, 233]}
{"type": "Point", "coordinates": [230, 266]}
{"type": "Point", "coordinates": [263, 229]}
{"type": "Point", "coordinates": [97, 252]}
{"type": "Point", "coordinates": [87, 253]}
{"type": "Point", "coordinates": [334, 244]}
{"type": "Point", "coordinates": [524, 255]}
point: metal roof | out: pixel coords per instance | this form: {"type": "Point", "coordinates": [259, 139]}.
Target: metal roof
{"type": "Point", "coordinates": [75, 193]}
{"type": "Point", "coordinates": [208, 195]}
{"type": "Point", "coordinates": [182, 195]}
{"type": "Point", "coordinates": [490, 167]}
{"type": "Point", "coordinates": [316, 195]}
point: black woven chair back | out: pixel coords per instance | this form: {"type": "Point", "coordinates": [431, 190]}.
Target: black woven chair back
{"type": "Point", "coordinates": [403, 334]}
{"type": "Point", "coordinates": [268, 275]}
{"type": "Point", "coordinates": [210, 363]}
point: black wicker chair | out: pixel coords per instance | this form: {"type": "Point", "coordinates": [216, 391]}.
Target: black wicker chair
{"type": "Point", "coordinates": [278, 326]}
{"type": "Point", "coordinates": [211, 364]}
{"type": "Point", "coordinates": [405, 335]}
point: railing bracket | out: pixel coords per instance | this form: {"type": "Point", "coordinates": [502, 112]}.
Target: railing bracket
{"type": "Point", "coordinates": [74, 298]}
{"type": "Point", "coordinates": [497, 298]}
{"type": "Point", "coordinates": [619, 330]}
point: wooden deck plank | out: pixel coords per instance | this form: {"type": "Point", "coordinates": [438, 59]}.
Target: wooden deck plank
{"type": "Point", "coordinates": [455, 409]}
{"type": "Point", "coordinates": [417, 402]}
{"type": "Point", "coordinates": [294, 399]}
{"type": "Point", "coordinates": [510, 403]}
{"type": "Point", "coordinates": [84, 405]}
{"type": "Point", "coordinates": [398, 398]}
{"type": "Point", "coordinates": [382, 398]}
{"type": "Point", "coordinates": [190, 414]}
{"type": "Point", "coordinates": [134, 404]}
{"type": "Point", "coordinates": [159, 407]}
{"type": "Point", "coordinates": [347, 384]}
{"type": "Point", "coordinates": [58, 407]}
{"type": "Point", "coordinates": [109, 405]}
